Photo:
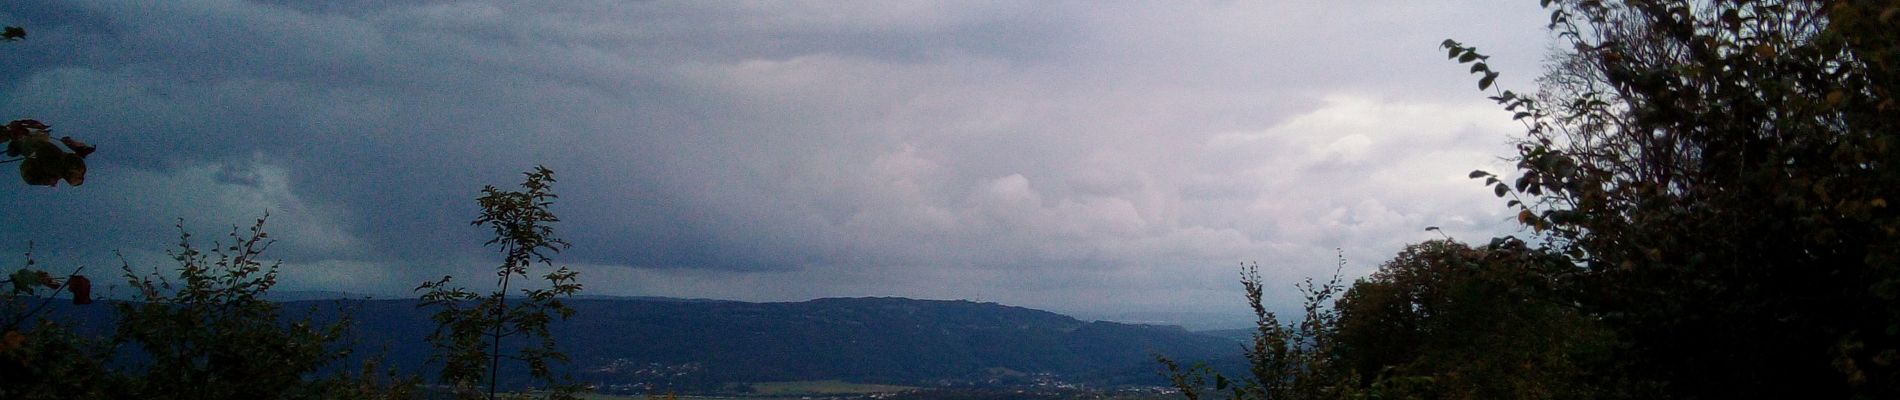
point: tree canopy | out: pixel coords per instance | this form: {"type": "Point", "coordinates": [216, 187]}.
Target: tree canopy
{"type": "Point", "coordinates": [1706, 187]}
{"type": "Point", "coordinates": [1723, 170]}
{"type": "Point", "coordinates": [1446, 320]}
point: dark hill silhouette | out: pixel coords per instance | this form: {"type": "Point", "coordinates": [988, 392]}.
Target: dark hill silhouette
{"type": "Point", "coordinates": [694, 345]}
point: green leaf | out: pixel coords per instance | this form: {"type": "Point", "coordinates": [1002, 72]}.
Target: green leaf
{"type": "Point", "coordinates": [1500, 189]}
{"type": "Point", "coordinates": [38, 172]}
{"type": "Point", "coordinates": [45, 163]}
{"type": "Point", "coordinates": [32, 146]}
{"type": "Point", "coordinates": [74, 170]}
{"type": "Point", "coordinates": [1485, 83]}
{"type": "Point", "coordinates": [47, 169]}
{"type": "Point", "coordinates": [1469, 56]}
{"type": "Point", "coordinates": [1478, 173]}
{"type": "Point", "coordinates": [24, 280]}
{"type": "Point", "coordinates": [81, 149]}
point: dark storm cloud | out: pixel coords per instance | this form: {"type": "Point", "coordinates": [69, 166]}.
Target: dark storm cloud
{"type": "Point", "coordinates": [1080, 156]}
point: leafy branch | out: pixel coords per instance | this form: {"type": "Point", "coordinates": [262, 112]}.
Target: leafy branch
{"type": "Point", "coordinates": [471, 327]}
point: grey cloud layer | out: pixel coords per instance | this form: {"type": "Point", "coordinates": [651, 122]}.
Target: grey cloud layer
{"type": "Point", "coordinates": [1079, 156]}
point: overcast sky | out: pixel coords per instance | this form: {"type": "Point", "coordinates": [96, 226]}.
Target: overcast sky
{"type": "Point", "coordinates": [1104, 159]}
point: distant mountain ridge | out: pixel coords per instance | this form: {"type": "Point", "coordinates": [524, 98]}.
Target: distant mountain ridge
{"type": "Point", "coordinates": [882, 340]}
{"type": "Point", "coordinates": [313, 295]}
{"type": "Point", "coordinates": [642, 343]}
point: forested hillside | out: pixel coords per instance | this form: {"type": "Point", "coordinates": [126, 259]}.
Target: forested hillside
{"type": "Point", "coordinates": [692, 345]}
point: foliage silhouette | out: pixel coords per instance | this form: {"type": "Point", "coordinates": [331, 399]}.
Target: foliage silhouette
{"type": "Point", "coordinates": [43, 160]}
{"type": "Point", "coordinates": [201, 331]}
{"type": "Point", "coordinates": [1440, 320]}
{"type": "Point", "coordinates": [1709, 182]}
{"type": "Point", "coordinates": [1445, 320]}
{"type": "Point", "coordinates": [1723, 170]}
{"type": "Point", "coordinates": [211, 334]}
{"type": "Point", "coordinates": [1285, 360]}
{"type": "Point", "coordinates": [40, 359]}
{"type": "Point", "coordinates": [472, 327]}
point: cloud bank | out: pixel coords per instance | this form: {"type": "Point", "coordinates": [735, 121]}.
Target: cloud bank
{"type": "Point", "coordinates": [1086, 157]}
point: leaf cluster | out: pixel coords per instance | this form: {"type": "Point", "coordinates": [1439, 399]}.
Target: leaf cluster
{"type": "Point", "coordinates": [43, 161]}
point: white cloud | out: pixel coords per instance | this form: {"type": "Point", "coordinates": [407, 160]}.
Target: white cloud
{"type": "Point", "coordinates": [213, 197]}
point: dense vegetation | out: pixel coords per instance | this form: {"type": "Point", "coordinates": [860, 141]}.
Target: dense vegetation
{"type": "Point", "coordinates": [1706, 184]}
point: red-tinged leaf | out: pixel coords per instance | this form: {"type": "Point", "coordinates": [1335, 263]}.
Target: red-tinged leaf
{"type": "Point", "coordinates": [22, 128]}
{"type": "Point", "coordinates": [47, 280]}
{"type": "Point", "coordinates": [79, 148]}
{"type": "Point", "coordinates": [32, 124]}
{"type": "Point", "coordinates": [11, 340]}
{"type": "Point", "coordinates": [81, 289]}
